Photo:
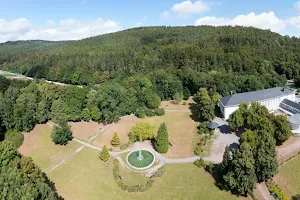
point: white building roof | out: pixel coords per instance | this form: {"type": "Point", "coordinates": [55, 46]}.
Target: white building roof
{"type": "Point", "coordinates": [295, 119]}
{"type": "Point", "coordinates": [260, 95]}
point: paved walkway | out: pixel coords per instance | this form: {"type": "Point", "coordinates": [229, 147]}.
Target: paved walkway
{"type": "Point", "coordinates": [147, 146]}
{"type": "Point", "coordinates": [262, 193]}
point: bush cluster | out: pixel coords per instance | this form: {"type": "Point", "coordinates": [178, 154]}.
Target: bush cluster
{"type": "Point", "coordinates": [276, 191]}
{"type": "Point", "coordinates": [142, 113]}
{"type": "Point", "coordinates": [134, 188]}
{"type": "Point", "coordinates": [201, 144]}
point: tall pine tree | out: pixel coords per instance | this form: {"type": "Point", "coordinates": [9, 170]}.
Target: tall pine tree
{"type": "Point", "coordinates": [162, 139]}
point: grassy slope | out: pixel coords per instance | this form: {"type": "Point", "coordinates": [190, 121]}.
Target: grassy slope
{"type": "Point", "coordinates": [288, 177]}
{"type": "Point", "coordinates": [86, 177]}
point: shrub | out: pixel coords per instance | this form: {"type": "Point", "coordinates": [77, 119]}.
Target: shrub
{"type": "Point", "coordinates": [115, 140]}
{"type": "Point", "coordinates": [198, 150]}
{"type": "Point", "coordinates": [276, 191]}
{"type": "Point", "coordinates": [134, 188]}
{"type": "Point", "coordinates": [159, 111]}
{"type": "Point", "coordinates": [200, 163]}
{"type": "Point", "coordinates": [202, 128]}
{"type": "Point", "coordinates": [140, 113]}
{"type": "Point", "coordinates": [15, 137]}
{"type": "Point", "coordinates": [104, 154]}
{"type": "Point", "coordinates": [149, 113]}
{"type": "Point", "coordinates": [159, 172]}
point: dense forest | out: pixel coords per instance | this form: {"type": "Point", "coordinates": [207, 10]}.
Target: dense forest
{"type": "Point", "coordinates": [181, 58]}
{"type": "Point", "coordinates": [23, 104]}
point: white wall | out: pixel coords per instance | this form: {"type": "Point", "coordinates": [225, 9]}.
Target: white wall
{"type": "Point", "coordinates": [271, 104]}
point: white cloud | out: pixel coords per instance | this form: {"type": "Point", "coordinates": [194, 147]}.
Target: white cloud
{"type": "Point", "coordinates": [297, 7]}
{"type": "Point", "coordinates": [188, 7]}
{"type": "Point", "coordinates": [263, 21]}
{"type": "Point", "coordinates": [68, 29]}
{"type": "Point", "coordinates": [138, 24]}
{"type": "Point", "coordinates": [50, 22]}
{"type": "Point", "coordinates": [165, 15]}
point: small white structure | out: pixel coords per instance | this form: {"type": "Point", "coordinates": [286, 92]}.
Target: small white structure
{"type": "Point", "coordinates": [294, 121]}
{"type": "Point", "coordinates": [271, 98]}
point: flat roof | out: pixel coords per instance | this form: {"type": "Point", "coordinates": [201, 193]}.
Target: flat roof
{"type": "Point", "coordinates": [295, 119]}
{"type": "Point", "coordinates": [259, 95]}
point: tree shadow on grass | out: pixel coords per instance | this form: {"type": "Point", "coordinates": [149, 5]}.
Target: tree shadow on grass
{"type": "Point", "coordinates": [216, 171]}
{"type": "Point", "coordinates": [195, 114]}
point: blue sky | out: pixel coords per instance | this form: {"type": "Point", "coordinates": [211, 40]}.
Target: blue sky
{"type": "Point", "coordinates": [75, 19]}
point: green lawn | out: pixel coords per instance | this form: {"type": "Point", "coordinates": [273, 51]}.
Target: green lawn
{"type": "Point", "coordinates": [46, 154]}
{"type": "Point", "coordinates": [85, 176]}
{"type": "Point", "coordinates": [288, 177]}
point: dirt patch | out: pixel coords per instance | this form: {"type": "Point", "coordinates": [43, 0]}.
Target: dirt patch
{"type": "Point", "coordinates": [122, 127]}
{"type": "Point", "coordinates": [32, 139]}
{"type": "Point", "coordinates": [85, 130]}
{"type": "Point", "coordinates": [182, 132]}
{"type": "Point", "coordinates": [288, 148]}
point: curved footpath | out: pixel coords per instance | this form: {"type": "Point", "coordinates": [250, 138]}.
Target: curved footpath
{"type": "Point", "coordinates": [159, 157]}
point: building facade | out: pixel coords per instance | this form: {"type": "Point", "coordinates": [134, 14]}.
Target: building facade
{"type": "Point", "coordinates": [271, 98]}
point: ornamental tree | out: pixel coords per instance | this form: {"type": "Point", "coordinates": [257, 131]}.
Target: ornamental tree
{"type": "Point", "coordinates": [115, 140]}
{"type": "Point", "coordinates": [162, 139]}
{"type": "Point", "coordinates": [142, 131]}
{"type": "Point", "coordinates": [104, 154]}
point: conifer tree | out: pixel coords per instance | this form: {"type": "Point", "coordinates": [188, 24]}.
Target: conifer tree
{"type": "Point", "coordinates": [162, 139]}
{"type": "Point", "coordinates": [104, 154]}
{"type": "Point", "coordinates": [115, 140]}
{"type": "Point", "coordinates": [226, 160]}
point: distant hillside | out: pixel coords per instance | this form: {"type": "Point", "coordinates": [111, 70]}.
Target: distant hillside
{"type": "Point", "coordinates": [213, 51]}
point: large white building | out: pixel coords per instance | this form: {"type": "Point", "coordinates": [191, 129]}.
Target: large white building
{"type": "Point", "coordinates": [272, 98]}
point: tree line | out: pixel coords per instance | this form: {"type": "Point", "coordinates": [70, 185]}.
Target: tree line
{"type": "Point", "coordinates": [175, 59]}
{"type": "Point", "coordinates": [24, 104]}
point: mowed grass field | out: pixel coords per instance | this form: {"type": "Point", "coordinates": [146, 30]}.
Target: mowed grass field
{"type": "Point", "coordinates": [181, 128]}
{"type": "Point", "coordinates": [288, 177]}
{"type": "Point", "coordinates": [85, 176]}
{"type": "Point", "coordinates": [39, 146]}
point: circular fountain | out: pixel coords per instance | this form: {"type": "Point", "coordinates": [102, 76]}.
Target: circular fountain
{"type": "Point", "coordinates": [140, 159]}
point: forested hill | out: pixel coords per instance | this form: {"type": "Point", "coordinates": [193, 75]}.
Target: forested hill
{"type": "Point", "coordinates": [222, 58]}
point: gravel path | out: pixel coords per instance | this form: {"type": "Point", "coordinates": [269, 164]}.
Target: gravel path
{"type": "Point", "coordinates": [289, 148]}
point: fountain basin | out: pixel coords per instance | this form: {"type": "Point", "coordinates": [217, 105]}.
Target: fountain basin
{"type": "Point", "coordinates": [145, 163]}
